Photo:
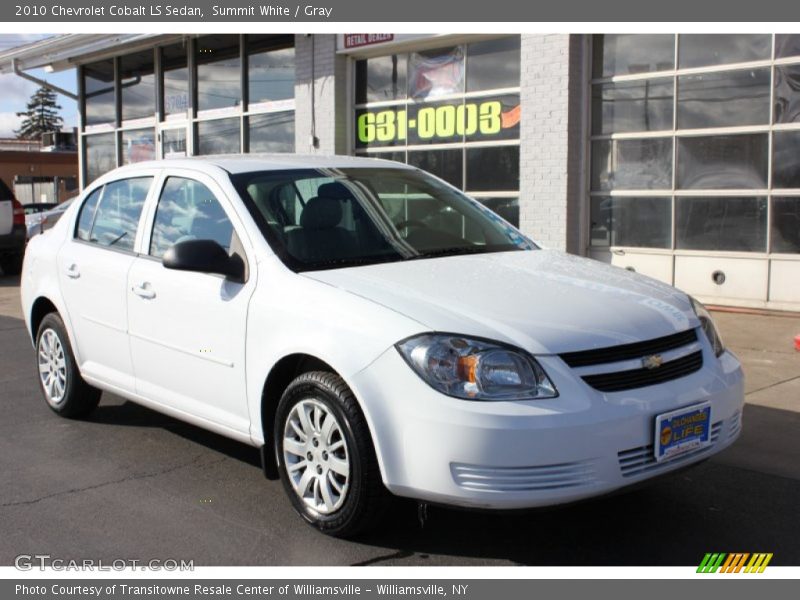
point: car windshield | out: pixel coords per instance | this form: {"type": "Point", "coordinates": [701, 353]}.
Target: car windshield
{"type": "Point", "coordinates": [331, 218]}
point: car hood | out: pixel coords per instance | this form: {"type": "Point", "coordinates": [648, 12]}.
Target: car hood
{"type": "Point", "coordinates": [545, 301]}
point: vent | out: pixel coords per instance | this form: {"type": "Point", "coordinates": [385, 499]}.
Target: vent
{"type": "Point", "coordinates": [637, 461]}
{"type": "Point", "coordinates": [735, 424]}
{"type": "Point", "coordinates": [523, 479]}
{"type": "Point", "coordinates": [612, 354]}
{"type": "Point", "coordinates": [636, 378]}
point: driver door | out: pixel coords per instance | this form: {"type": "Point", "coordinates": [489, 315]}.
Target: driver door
{"type": "Point", "coordinates": [187, 330]}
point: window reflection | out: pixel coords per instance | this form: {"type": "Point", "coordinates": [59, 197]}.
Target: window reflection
{"type": "Point", "coordinates": [117, 216]}
{"type": "Point", "coordinates": [786, 224]}
{"type": "Point", "coordinates": [98, 81]}
{"type": "Point", "coordinates": [621, 54]}
{"type": "Point", "coordinates": [732, 98]}
{"type": "Point", "coordinates": [703, 50]}
{"type": "Point", "coordinates": [101, 155]}
{"type": "Point", "coordinates": [272, 132]}
{"type": "Point", "coordinates": [493, 169]}
{"type": "Point", "coordinates": [137, 85]}
{"type": "Point", "coordinates": [787, 93]}
{"type": "Point", "coordinates": [785, 159]}
{"type": "Point", "coordinates": [381, 78]}
{"type": "Point", "coordinates": [632, 164]}
{"type": "Point", "coordinates": [220, 136]}
{"type": "Point", "coordinates": [633, 106]}
{"type": "Point", "coordinates": [434, 73]}
{"type": "Point", "coordinates": [712, 223]}
{"type": "Point", "coordinates": [624, 221]}
{"type": "Point", "coordinates": [447, 164]}
{"type": "Point", "coordinates": [493, 64]}
{"type": "Point", "coordinates": [270, 68]}
{"type": "Point", "coordinates": [787, 45]}
{"type": "Point", "coordinates": [219, 79]}
{"type": "Point", "coordinates": [723, 162]}
{"type": "Point", "coordinates": [176, 79]}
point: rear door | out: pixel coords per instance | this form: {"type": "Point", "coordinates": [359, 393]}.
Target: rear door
{"type": "Point", "coordinates": [93, 267]}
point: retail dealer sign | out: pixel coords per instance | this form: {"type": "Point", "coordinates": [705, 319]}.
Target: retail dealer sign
{"type": "Point", "coordinates": [357, 40]}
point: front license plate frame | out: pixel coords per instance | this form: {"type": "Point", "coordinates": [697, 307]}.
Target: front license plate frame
{"type": "Point", "coordinates": [678, 432]}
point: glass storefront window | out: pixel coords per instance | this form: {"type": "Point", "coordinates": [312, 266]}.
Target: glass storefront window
{"type": "Point", "coordinates": [623, 54]}
{"type": "Point", "coordinates": [714, 223]}
{"type": "Point", "coordinates": [644, 222]}
{"type": "Point", "coordinates": [787, 45]}
{"type": "Point", "coordinates": [381, 78]}
{"type": "Point", "coordinates": [704, 50]}
{"type": "Point", "coordinates": [272, 132]}
{"type": "Point", "coordinates": [219, 77]}
{"type": "Point", "coordinates": [138, 145]}
{"type": "Point", "coordinates": [787, 93]}
{"type": "Point", "coordinates": [785, 153]}
{"type": "Point", "coordinates": [137, 85]}
{"type": "Point", "coordinates": [173, 142]}
{"type": "Point", "coordinates": [493, 168]}
{"type": "Point", "coordinates": [632, 106]}
{"type": "Point", "coordinates": [447, 164]}
{"type": "Point", "coordinates": [723, 162]}
{"type": "Point", "coordinates": [644, 164]}
{"type": "Point", "coordinates": [101, 155]}
{"type": "Point", "coordinates": [176, 79]}
{"type": "Point", "coordinates": [786, 224]}
{"type": "Point", "coordinates": [270, 68]}
{"type": "Point", "coordinates": [435, 73]}
{"type": "Point", "coordinates": [98, 83]}
{"type": "Point", "coordinates": [220, 136]}
{"type": "Point", "coordinates": [727, 99]}
{"type": "Point", "coordinates": [493, 64]}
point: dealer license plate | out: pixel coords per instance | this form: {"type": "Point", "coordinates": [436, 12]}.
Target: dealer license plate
{"type": "Point", "coordinates": [682, 431]}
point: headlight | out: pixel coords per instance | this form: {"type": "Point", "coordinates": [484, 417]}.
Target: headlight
{"type": "Point", "coordinates": [708, 326]}
{"type": "Point", "coordinates": [474, 369]}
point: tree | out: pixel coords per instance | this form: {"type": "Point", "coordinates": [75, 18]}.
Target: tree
{"type": "Point", "coordinates": [41, 115]}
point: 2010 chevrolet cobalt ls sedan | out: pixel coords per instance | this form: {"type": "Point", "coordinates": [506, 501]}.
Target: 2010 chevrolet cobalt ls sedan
{"type": "Point", "coordinates": [373, 331]}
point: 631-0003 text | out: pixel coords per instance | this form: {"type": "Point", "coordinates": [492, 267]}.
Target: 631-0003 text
{"type": "Point", "coordinates": [171, 10]}
{"type": "Point", "coordinates": [298, 589]}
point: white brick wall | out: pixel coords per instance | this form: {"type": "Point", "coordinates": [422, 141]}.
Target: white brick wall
{"type": "Point", "coordinates": [330, 91]}
{"type": "Point", "coordinates": [551, 140]}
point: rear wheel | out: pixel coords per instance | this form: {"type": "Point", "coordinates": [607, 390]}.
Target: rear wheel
{"type": "Point", "coordinates": [326, 459]}
{"type": "Point", "coordinates": [64, 390]}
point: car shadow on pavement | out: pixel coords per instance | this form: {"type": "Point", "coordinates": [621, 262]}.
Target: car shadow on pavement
{"type": "Point", "coordinates": [738, 501]}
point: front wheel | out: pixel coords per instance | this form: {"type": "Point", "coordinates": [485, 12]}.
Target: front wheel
{"type": "Point", "coordinates": [326, 459]}
{"type": "Point", "coordinates": [64, 390]}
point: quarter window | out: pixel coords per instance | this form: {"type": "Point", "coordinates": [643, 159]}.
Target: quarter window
{"type": "Point", "coordinates": [86, 217]}
{"type": "Point", "coordinates": [188, 210]}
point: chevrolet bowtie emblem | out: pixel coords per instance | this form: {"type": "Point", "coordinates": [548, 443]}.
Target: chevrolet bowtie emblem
{"type": "Point", "coordinates": [652, 362]}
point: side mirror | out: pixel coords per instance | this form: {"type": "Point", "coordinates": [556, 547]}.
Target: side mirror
{"type": "Point", "coordinates": [204, 256]}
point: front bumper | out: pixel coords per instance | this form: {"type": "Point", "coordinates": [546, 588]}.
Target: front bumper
{"type": "Point", "coordinates": [510, 455]}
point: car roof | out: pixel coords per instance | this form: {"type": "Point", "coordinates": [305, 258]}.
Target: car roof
{"type": "Point", "coordinates": [244, 163]}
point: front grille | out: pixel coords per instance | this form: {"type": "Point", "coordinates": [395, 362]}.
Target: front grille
{"type": "Point", "coordinates": [636, 378]}
{"type": "Point", "coordinates": [622, 352]}
{"type": "Point", "coordinates": [636, 461]}
{"type": "Point", "coordinates": [523, 479]}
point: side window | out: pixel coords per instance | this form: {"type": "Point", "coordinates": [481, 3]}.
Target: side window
{"type": "Point", "coordinates": [116, 216]}
{"type": "Point", "coordinates": [86, 217]}
{"type": "Point", "coordinates": [188, 210]}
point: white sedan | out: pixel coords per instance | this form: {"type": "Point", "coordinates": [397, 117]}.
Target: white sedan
{"type": "Point", "coordinates": [373, 331]}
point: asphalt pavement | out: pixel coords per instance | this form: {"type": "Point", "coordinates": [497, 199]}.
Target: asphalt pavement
{"type": "Point", "coordinates": [129, 483]}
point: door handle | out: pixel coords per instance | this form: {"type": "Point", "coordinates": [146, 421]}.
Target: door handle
{"type": "Point", "coordinates": [143, 291]}
{"type": "Point", "coordinates": [73, 272]}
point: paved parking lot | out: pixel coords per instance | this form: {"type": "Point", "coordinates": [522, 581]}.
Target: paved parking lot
{"type": "Point", "coordinates": [132, 484]}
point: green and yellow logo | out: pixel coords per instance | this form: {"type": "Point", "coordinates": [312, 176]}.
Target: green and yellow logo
{"type": "Point", "coordinates": [736, 562]}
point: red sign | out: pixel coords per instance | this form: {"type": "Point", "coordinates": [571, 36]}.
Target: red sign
{"type": "Point", "coordinates": [356, 40]}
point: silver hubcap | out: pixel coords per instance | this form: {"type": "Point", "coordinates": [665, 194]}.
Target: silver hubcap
{"type": "Point", "coordinates": [316, 457]}
{"type": "Point", "coordinates": [52, 367]}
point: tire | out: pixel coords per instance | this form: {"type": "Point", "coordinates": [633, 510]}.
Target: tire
{"type": "Point", "coordinates": [339, 491]}
{"type": "Point", "coordinates": [11, 265]}
{"type": "Point", "coordinates": [63, 388]}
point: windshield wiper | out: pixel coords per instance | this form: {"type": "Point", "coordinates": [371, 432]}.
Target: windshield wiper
{"type": "Point", "coordinates": [455, 251]}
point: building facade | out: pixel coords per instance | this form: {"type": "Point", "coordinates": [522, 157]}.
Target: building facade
{"type": "Point", "coordinates": [672, 155]}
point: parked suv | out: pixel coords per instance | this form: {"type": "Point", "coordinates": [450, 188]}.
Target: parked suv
{"type": "Point", "coordinates": [373, 331]}
{"type": "Point", "coordinates": [13, 232]}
